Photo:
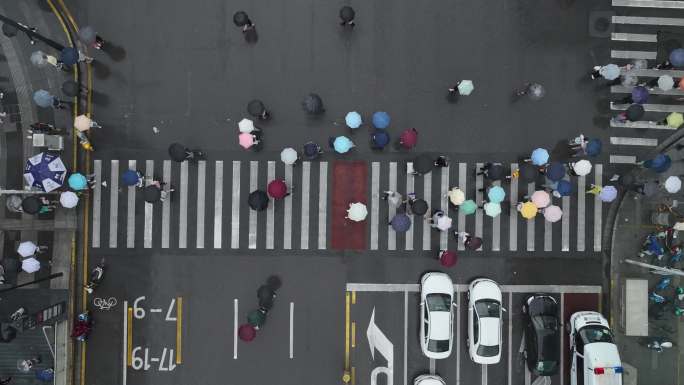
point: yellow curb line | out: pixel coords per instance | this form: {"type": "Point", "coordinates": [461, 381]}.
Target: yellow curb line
{"type": "Point", "coordinates": [179, 328]}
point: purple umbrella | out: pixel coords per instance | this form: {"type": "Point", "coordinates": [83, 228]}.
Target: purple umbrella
{"type": "Point", "coordinates": [608, 194]}
{"type": "Point", "coordinates": [639, 94]}
{"type": "Point", "coordinates": [401, 223]}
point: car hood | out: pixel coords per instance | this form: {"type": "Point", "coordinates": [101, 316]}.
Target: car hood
{"type": "Point", "coordinates": [440, 327]}
{"type": "Point", "coordinates": [485, 289]}
{"type": "Point", "coordinates": [489, 331]}
{"type": "Point", "coordinates": [436, 283]}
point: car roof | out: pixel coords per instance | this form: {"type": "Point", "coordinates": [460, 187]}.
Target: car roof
{"type": "Point", "coordinates": [440, 327]}
{"type": "Point", "coordinates": [489, 331]}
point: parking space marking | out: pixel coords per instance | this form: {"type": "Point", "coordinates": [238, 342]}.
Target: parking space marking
{"type": "Point", "coordinates": [405, 334]}
{"type": "Point", "coordinates": [410, 186]}
{"type": "Point", "coordinates": [513, 219]}
{"type": "Point", "coordinates": [427, 195]}
{"type": "Point", "coordinates": [562, 327]}
{"type": "Point", "coordinates": [484, 374]}
{"type": "Point", "coordinates": [391, 234]}
{"type": "Point", "coordinates": [130, 219]}
{"type": "Point", "coordinates": [291, 330]}
{"type": "Point", "coordinates": [458, 340]}
{"type": "Point", "coordinates": [510, 337]}
{"type": "Point", "coordinates": [235, 328]}
{"type": "Point", "coordinates": [124, 351]}
{"type": "Point", "coordinates": [432, 366]}
{"type": "Point", "coordinates": [444, 204]}
{"type": "Point", "coordinates": [253, 185]}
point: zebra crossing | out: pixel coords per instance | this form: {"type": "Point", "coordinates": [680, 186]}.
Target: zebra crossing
{"type": "Point", "coordinates": [643, 37]}
{"type": "Point", "coordinates": [208, 209]}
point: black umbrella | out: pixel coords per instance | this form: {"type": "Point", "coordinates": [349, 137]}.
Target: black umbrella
{"type": "Point", "coordinates": [152, 194]}
{"type": "Point", "coordinates": [274, 282]}
{"type": "Point", "coordinates": [240, 18]}
{"type": "Point", "coordinates": [265, 292]}
{"type": "Point", "coordinates": [256, 108]}
{"type": "Point", "coordinates": [177, 152]}
{"type": "Point", "coordinates": [313, 104]}
{"type": "Point", "coordinates": [528, 172]}
{"type": "Point", "coordinates": [419, 207]}
{"type": "Point", "coordinates": [423, 164]}
{"type": "Point", "coordinates": [347, 13]}
{"type": "Point", "coordinates": [635, 112]}
{"type": "Point", "coordinates": [258, 200]}
{"type": "Point", "coordinates": [70, 88]}
{"type": "Point", "coordinates": [495, 172]}
{"type": "Point", "coordinates": [473, 243]}
{"type": "Point", "coordinates": [31, 205]}
{"type": "Point", "coordinates": [9, 30]}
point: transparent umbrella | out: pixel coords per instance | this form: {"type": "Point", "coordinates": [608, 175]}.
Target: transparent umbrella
{"type": "Point", "coordinates": [357, 212]}
{"type": "Point", "coordinates": [27, 249]}
{"type": "Point", "coordinates": [536, 91]}
{"type": "Point", "coordinates": [30, 265]}
{"type": "Point", "coordinates": [38, 58]}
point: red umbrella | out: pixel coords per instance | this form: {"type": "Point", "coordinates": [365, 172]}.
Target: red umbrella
{"type": "Point", "coordinates": [409, 138]}
{"type": "Point", "coordinates": [473, 243]}
{"type": "Point", "coordinates": [277, 189]}
{"type": "Point", "coordinates": [447, 258]}
{"type": "Point", "coordinates": [246, 332]}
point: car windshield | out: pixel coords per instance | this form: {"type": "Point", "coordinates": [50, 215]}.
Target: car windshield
{"type": "Point", "coordinates": [487, 351]}
{"type": "Point", "coordinates": [438, 346]}
{"type": "Point", "coordinates": [545, 324]}
{"type": "Point", "coordinates": [438, 302]}
{"type": "Point", "coordinates": [595, 333]}
{"type": "Point", "coordinates": [546, 366]}
{"type": "Point", "coordinates": [487, 308]}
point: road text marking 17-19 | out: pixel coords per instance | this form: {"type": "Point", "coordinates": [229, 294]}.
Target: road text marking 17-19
{"type": "Point", "coordinates": [139, 357]}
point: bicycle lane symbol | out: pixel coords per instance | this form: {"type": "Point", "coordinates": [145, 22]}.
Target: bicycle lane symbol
{"type": "Point", "coordinates": [104, 304]}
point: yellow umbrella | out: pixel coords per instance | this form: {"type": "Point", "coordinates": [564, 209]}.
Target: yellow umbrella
{"type": "Point", "coordinates": [675, 119]}
{"type": "Point", "coordinates": [456, 196]}
{"type": "Point", "coordinates": [528, 210]}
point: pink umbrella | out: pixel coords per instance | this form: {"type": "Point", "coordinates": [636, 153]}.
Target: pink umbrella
{"type": "Point", "coordinates": [246, 332]}
{"type": "Point", "coordinates": [447, 258]}
{"type": "Point", "coordinates": [409, 138]}
{"type": "Point", "coordinates": [541, 199]}
{"type": "Point", "coordinates": [553, 213]}
{"type": "Point", "coordinates": [246, 140]}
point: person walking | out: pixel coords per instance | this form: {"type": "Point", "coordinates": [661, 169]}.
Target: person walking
{"type": "Point", "coordinates": [241, 19]}
{"type": "Point", "coordinates": [266, 294]}
{"type": "Point", "coordinates": [347, 15]}
{"type": "Point", "coordinates": [442, 161]}
{"type": "Point", "coordinates": [453, 93]}
{"type": "Point", "coordinates": [393, 198]}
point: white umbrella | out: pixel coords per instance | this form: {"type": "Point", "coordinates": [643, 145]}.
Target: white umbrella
{"type": "Point", "coordinates": [30, 265]}
{"type": "Point", "coordinates": [610, 71]}
{"type": "Point", "coordinates": [444, 223]}
{"type": "Point", "coordinates": [553, 213]}
{"type": "Point", "coordinates": [289, 155]}
{"type": "Point", "coordinates": [582, 167]}
{"type": "Point", "coordinates": [82, 123]}
{"type": "Point", "coordinates": [246, 125]}
{"type": "Point", "coordinates": [466, 87]}
{"type": "Point", "coordinates": [456, 196]}
{"type": "Point", "coordinates": [665, 82]}
{"type": "Point", "coordinates": [357, 212]}
{"type": "Point", "coordinates": [673, 184]}
{"type": "Point", "coordinates": [68, 199]}
{"type": "Point", "coordinates": [27, 249]}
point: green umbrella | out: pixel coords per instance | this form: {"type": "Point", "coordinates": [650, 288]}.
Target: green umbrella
{"type": "Point", "coordinates": [256, 318]}
{"type": "Point", "coordinates": [468, 207]}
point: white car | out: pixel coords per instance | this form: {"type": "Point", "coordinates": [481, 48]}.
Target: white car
{"type": "Point", "coordinates": [484, 321]}
{"type": "Point", "coordinates": [428, 379]}
{"type": "Point", "coordinates": [436, 329]}
{"type": "Point", "coordinates": [595, 357]}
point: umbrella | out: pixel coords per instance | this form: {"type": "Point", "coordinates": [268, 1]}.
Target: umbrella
{"type": "Point", "coordinates": [258, 200]}
{"type": "Point", "coordinates": [582, 167]}
{"type": "Point", "coordinates": [256, 108]}
{"type": "Point", "coordinates": [152, 194]}
{"type": "Point", "coordinates": [357, 211]}
{"type": "Point", "coordinates": [256, 318]}
{"type": "Point", "coordinates": [27, 249]}
{"type": "Point", "coordinates": [38, 58]}
{"type": "Point", "coordinates": [68, 199]}
{"type": "Point", "coordinates": [492, 209]}
{"type": "Point", "coordinates": [45, 171]}
{"type": "Point", "coordinates": [31, 205]}
{"type": "Point", "coordinates": [82, 123]}
{"type": "Point", "coordinates": [381, 119]}
{"type": "Point", "coordinates": [13, 203]}
{"type": "Point", "coordinates": [528, 172]}
{"type": "Point", "coordinates": [564, 187]}
{"type": "Point", "coordinates": [423, 164]}
{"type": "Point", "coordinates": [466, 87]}
{"type": "Point", "coordinates": [68, 56]}
{"type": "Point", "coordinates": [130, 178]}
{"type": "Point", "coordinates": [555, 171]}
{"type": "Point", "coordinates": [246, 125]}
{"type": "Point", "coordinates": [380, 138]}
{"type": "Point", "coordinates": [651, 188]}
{"type": "Point", "coordinates": [353, 119]}
{"type": "Point", "coordinates": [87, 35]}
{"type": "Point", "coordinates": [610, 71]}
{"type": "Point", "coordinates": [635, 112]}
{"type": "Point", "coordinates": [444, 223]}
{"type": "Point", "coordinates": [639, 94]}
{"type": "Point", "coordinates": [473, 243]}
{"type": "Point", "coordinates": [467, 207]}
{"type": "Point", "coordinates": [394, 199]}
{"type": "Point", "coordinates": [43, 98]}
{"type": "Point", "coordinates": [419, 207]}
{"type": "Point", "coordinates": [311, 150]}
{"type": "Point", "coordinates": [401, 223]}
{"type": "Point", "coordinates": [640, 64]}
{"type": "Point", "coordinates": [447, 258]}
{"type": "Point", "coordinates": [246, 140]}
{"type": "Point", "coordinates": [528, 210]}
{"type": "Point", "coordinates": [77, 181]}
{"type": "Point", "coordinates": [456, 196]}
{"type": "Point", "coordinates": [660, 163]}
{"type": "Point", "coordinates": [9, 30]}
{"type": "Point", "coordinates": [495, 172]}
{"type": "Point", "coordinates": [541, 199]}
{"type": "Point", "coordinates": [277, 189]}
{"type": "Point", "coordinates": [246, 332]}
{"type": "Point", "coordinates": [70, 88]}
{"type": "Point", "coordinates": [313, 104]}
{"type": "Point", "coordinates": [347, 13]}
{"type": "Point", "coordinates": [665, 82]}
{"type": "Point", "coordinates": [342, 144]}
{"type": "Point", "coordinates": [553, 213]}
{"type": "Point", "coordinates": [593, 147]}
{"type": "Point", "coordinates": [675, 119]}
{"type": "Point", "coordinates": [289, 155]}
{"type": "Point", "coordinates": [240, 18]}
{"type": "Point", "coordinates": [536, 91]}
{"type": "Point", "coordinates": [496, 194]}
{"type": "Point", "coordinates": [409, 138]}
{"type": "Point", "coordinates": [30, 265]}
{"type": "Point", "coordinates": [608, 194]}
{"type": "Point", "coordinates": [540, 157]}
{"type": "Point", "coordinates": [673, 184]}
{"type": "Point", "coordinates": [677, 57]}
{"type": "Point", "coordinates": [177, 152]}
{"type": "Point", "coordinates": [630, 80]}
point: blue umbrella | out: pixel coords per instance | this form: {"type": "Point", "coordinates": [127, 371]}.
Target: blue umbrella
{"type": "Point", "coordinates": [77, 181]}
{"type": "Point", "coordinates": [555, 171]}
{"type": "Point", "coordinates": [311, 150]}
{"type": "Point", "coordinates": [381, 119]}
{"type": "Point", "coordinates": [43, 98]}
{"type": "Point", "coordinates": [129, 178]}
{"type": "Point", "coordinates": [45, 171]}
{"type": "Point", "coordinates": [496, 194]}
{"type": "Point", "coordinates": [564, 187]}
{"type": "Point", "coordinates": [353, 119]}
{"type": "Point", "coordinates": [380, 138]}
{"type": "Point", "coordinates": [540, 157]}
{"type": "Point", "coordinates": [69, 56]}
{"type": "Point", "coordinates": [608, 194]}
{"type": "Point", "coordinates": [401, 223]}
{"type": "Point", "coordinates": [342, 144]}
{"type": "Point", "coordinates": [594, 147]}
{"type": "Point", "coordinates": [639, 94]}
{"type": "Point", "coordinates": [660, 163]}
{"type": "Point", "coordinates": [677, 57]}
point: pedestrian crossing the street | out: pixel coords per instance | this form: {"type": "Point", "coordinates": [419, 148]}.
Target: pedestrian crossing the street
{"type": "Point", "coordinates": [647, 30]}
{"type": "Point", "coordinates": [207, 209]}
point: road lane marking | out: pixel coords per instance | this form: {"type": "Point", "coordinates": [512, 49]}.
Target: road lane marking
{"type": "Point", "coordinates": [432, 366]}
{"type": "Point", "coordinates": [510, 338]}
{"type": "Point", "coordinates": [405, 335]}
{"type": "Point", "coordinates": [166, 207]}
{"type": "Point", "coordinates": [306, 182]}
{"type": "Point", "coordinates": [581, 195]}
{"type": "Point", "coordinates": [458, 340]}
{"type": "Point", "coordinates": [218, 203]}
{"type": "Point", "coordinates": [129, 337]}
{"type": "Point", "coordinates": [530, 222]}
{"type": "Point", "coordinates": [179, 330]}
{"type": "Point", "coordinates": [287, 218]}
{"type": "Point", "coordinates": [479, 198]}
{"type": "Point", "coordinates": [391, 210]}
{"type": "Point", "coordinates": [235, 207]}
{"type": "Point", "coordinates": [347, 308]}
{"type": "Point", "coordinates": [462, 175]}
{"type": "Point", "coordinates": [253, 185]}
{"type": "Point", "coordinates": [130, 210]}
{"type": "Point", "coordinates": [353, 334]}
{"type": "Point", "coordinates": [375, 205]}
{"type": "Point", "coordinates": [97, 201]}
{"type": "Point", "coordinates": [183, 209]}
{"type": "Point", "coordinates": [235, 328]}
{"type": "Point", "coordinates": [410, 187]}
{"type": "Point", "coordinates": [598, 180]}
{"type": "Point", "coordinates": [513, 217]}
{"type": "Point", "coordinates": [270, 210]}
{"type": "Point", "coordinates": [291, 330]}
{"type": "Point", "coordinates": [484, 374]}
{"type": "Point", "coordinates": [323, 206]}
{"type": "Point", "coordinates": [124, 350]}
{"type": "Point", "coordinates": [427, 194]}
{"type": "Point", "coordinates": [444, 204]}
{"type": "Point", "coordinates": [149, 210]}
{"type": "Point", "coordinates": [201, 198]}
{"type": "Point", "coordinates": [562, 342]}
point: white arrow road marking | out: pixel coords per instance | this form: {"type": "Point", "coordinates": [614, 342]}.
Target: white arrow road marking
{"type": "Point", "coordinates": [378, 340]}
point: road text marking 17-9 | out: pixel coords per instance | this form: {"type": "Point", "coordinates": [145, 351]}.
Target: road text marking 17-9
{"type": "Point", "coordinates": [140, 357]}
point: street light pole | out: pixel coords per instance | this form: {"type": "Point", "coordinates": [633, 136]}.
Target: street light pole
{"type": "Point", "coordinates": [31, 34]}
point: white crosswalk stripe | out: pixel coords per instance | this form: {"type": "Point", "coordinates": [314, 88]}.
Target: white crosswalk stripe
{"type": "Point", "coordinates": [165, 224]}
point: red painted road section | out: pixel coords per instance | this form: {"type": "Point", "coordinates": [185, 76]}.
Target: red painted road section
{"type": "Point", "coordinates": [349, 184]}
{"type": "Point", "coordinates": [572, 303]}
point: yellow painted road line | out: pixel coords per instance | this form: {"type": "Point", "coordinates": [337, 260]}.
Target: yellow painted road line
{"type": "Point", "coordinates": [353, 375]}
{"type": "Point", "coordinates": [179, 328]}
{"type": "Point", "coordinates": [347, 309]}
{"type": "Point", "coordinates": [353, 334]}
{"type": "Point", "coordinates": [129, 337]}
{"type": "Point", "coordinates": [354, 297]}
